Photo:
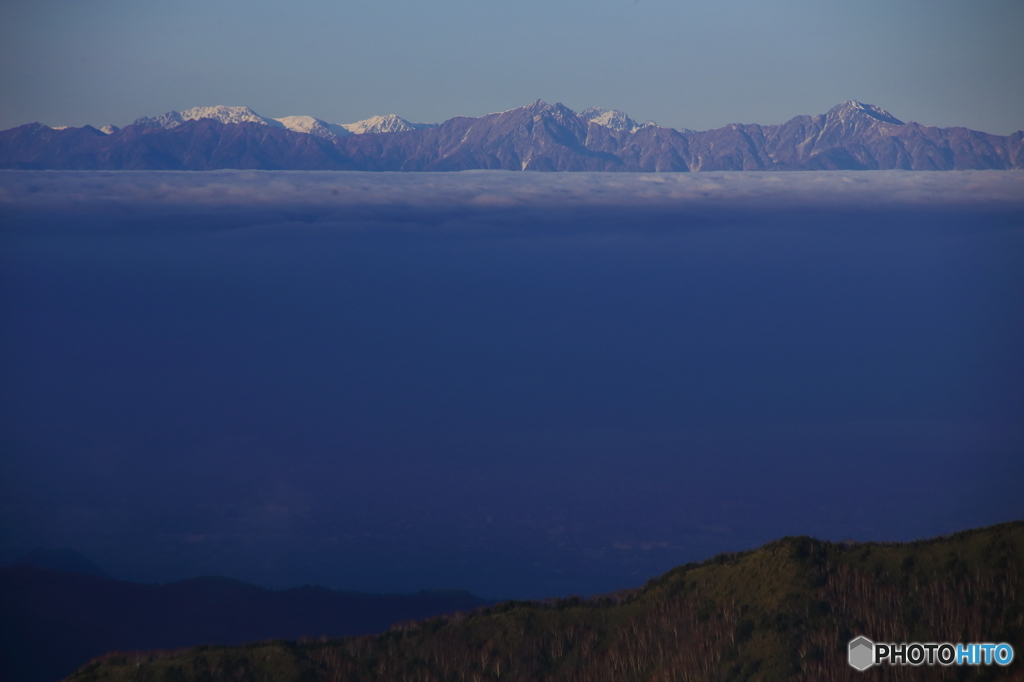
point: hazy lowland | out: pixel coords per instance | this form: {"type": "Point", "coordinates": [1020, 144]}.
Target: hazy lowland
{"type": "Point", "coordinates": [526, 386]}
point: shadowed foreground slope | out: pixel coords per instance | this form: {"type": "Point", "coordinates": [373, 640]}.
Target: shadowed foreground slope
{"type": "Point", "coordinates": [782, 612]}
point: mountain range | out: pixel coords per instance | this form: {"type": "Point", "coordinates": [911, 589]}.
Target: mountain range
{"type": "Point", "coordinates": [299, 124]}
{"type": "Point", "coordinates": [539, 136]}
{"type": "Point", "coordinates": [58, 610]}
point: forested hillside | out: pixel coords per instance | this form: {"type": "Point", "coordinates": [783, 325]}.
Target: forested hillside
{"type": "Point", "coordinates": [783, 612]}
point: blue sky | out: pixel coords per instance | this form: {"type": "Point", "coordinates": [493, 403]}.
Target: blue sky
{"type": "Point", "coordinates": [681, 63]}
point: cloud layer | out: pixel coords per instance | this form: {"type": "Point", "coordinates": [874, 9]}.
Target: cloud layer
{"type": "Point", "coordinates": [501, 189]}
{"type": "Point", "coordinates": [521, 384]}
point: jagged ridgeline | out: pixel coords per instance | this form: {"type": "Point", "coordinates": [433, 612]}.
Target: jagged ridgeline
{"type": "Point", "coordinates": [782, 612]}
{"type": "Point", "coordinates": [539, 137]}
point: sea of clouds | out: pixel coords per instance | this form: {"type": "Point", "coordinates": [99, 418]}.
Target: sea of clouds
{"type": "Point", "coordinates": [522, 384]}
{"type": "Point", "coordinates": [990, 189]}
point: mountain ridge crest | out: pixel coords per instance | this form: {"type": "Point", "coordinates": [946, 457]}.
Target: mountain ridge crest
{"type": "Point", "coordinates": [538, 136]}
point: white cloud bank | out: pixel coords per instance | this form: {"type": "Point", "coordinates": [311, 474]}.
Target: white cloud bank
{"type": "Point", "coordinates": [497, 189]}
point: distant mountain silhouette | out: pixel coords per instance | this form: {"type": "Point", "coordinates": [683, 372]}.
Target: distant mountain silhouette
{"type": "Point", "coordinates": [540, 136]}
{"type": "Point", "coordinates": [53, 621]}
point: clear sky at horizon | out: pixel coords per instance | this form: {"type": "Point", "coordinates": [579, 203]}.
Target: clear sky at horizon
{"type": "Point", "coordinates": [681, 63]}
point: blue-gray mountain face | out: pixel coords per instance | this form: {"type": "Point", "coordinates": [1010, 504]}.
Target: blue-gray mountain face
{"type": "Point", "coordinates": [544, 137]}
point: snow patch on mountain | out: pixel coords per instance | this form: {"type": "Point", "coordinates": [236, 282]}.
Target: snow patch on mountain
{"type": "Point", "coordinates": [610, 118]}
{"type": "Point", "coordinates": [853, 108]}
{"type": "Point", "coordinates": [313, 126]}
{"type": "Point", "coordinates": [389, 123]}
{"type": "Point", "coordinates": [299, 124]}
{"type": "Point", "coordinates": [614, 119]}
{"type": "Point", "coordinates": [173, 119]}
{"type": "Point", "coordinates": [228, 115]}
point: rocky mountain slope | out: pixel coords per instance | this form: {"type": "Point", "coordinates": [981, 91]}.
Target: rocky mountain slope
{"type": "Point", "coordinates": [540, 136]}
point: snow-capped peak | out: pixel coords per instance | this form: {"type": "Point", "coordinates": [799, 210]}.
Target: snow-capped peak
{"type": "Point", "coordinates": [611, 118]}
{"type": "Point", "coordinates": [853, 107]}
{"type": "Point", "coordinates": [299, 124]}
{"type": "Point", "coordinates": [389, 123]}
{"type": "Point", "coordinates": [173, 119]}
{"type": "Point", "coordinates": [228, 115]}
{"type": "Point", "coordinates": [313, 126]}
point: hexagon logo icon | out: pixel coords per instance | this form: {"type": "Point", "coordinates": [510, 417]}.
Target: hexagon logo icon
{"type": "Point", "coordinates": [862, 653]}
